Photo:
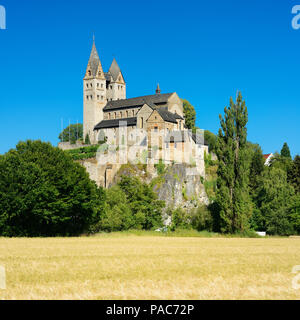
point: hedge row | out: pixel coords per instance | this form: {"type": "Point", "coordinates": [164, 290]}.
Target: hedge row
{"type": "Point", "coordinates": [83, 153]}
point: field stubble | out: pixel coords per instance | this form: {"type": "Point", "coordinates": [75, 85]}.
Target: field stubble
{"type": "Point", "coordinates": [136, 267]}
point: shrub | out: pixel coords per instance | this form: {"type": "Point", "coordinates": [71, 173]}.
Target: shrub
{"type": "Point", "coordinates": [87, 139]}
{"type": "Point", "coordinates": [202, 219]}
{"type": "Point", "coordinates": [143, 202]}
{"type": "Point", "coordinates": [83, 153]}
{"type": "Point", "coordinates": [180, 219]}
{"type": "Point", "coordinates": [160, 167]}
{"type": "Point", "coordinates": [117, 215]}
{"type": "Point", "coordinates": [129, 205]}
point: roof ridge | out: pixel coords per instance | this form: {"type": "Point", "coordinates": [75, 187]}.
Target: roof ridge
{"type": "Point", "coordinates": [138, 101]}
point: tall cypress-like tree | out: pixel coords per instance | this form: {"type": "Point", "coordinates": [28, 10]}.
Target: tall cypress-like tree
{"type": "Point", "coordinates": [285, 151]}
{"type": "Point", "coordinates": [233, 197]}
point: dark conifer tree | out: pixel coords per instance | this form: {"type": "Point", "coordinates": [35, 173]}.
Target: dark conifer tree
{"type": "Point", "coordinates": [285, 151]}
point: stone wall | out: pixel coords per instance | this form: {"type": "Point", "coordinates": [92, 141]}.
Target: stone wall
{"type": "Point", "coordinates": [69, 146]}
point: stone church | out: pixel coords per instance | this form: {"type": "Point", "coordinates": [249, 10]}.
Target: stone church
{"type": "Point", "coordinates": [107, 112]}
{"type": "Point", "coordinates": [105, 103]}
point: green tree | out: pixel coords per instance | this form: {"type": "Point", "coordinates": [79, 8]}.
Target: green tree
{"type": "Point", "coordinates": [233, 197]}
{"type": "Point", "coordinates": [256, 168]}
{"type": "Point", "coordinates": [44, 193]}
{"type": "Point", "coordinates": [117, 216]}
{"type": "Point", "coordinates": [285, 151]}
{"type": "Point", "coordinates": [211, 140]}
{"type": "Point", "coordinates": [294, 214]}
{"type": "Point", "coordinates": [72, 133]}
{"type": "Point", "coordinates": [275, 199]}
{"type": "Point", "coordinates": [143, 202]}
{"type": "Point", "coordinates": [281, 162]}
{"type": "Point", "coordinates": [87, 139]}
{"type": "Point", "coordinates": [294, 174]}
{"type": "Point", "coordinates": [189, 115]}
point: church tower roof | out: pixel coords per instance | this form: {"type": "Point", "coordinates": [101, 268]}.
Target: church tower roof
{"type": "Point", "coordinates": [115, 70]}
{"type": "Point", "coordinates": [94, 61]}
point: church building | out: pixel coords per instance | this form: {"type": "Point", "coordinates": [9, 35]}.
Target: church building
{"type": "Point", "coordinates": [110, 116]}
{"type": "Point", "coordinates": [105, 103]}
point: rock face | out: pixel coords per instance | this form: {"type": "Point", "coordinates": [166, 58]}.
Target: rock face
{"type": "Point", "coordinates": [180, 187]}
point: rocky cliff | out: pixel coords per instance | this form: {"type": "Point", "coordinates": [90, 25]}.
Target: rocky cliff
{"type": "Point", "coordinates": [177, 184]}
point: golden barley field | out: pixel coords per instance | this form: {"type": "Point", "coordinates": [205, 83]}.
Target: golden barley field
{"type": "Point", "coordinates": [149, 267]}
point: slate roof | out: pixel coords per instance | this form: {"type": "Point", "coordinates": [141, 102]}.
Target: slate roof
{"type": "Point", "coordinates": [94, 60]}
{"type": "Point", "coordinates": [177, 116]}
{"type": "Point", "coordinates": [154, 100]}
{"type": "Point", "coordinates": [167, 115]}
{"type": "Point", "coordinates": [114, 70]}
{"type": "Point", "coordinates": [115, 123]}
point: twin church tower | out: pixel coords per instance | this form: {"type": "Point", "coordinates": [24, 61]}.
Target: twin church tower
{"type": "Point", "coordinates": [99, 88]}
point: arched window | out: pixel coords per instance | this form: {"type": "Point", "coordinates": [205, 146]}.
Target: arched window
{"type": "Point", "coordinates": [89, 73]}
{"type": "Point", "coordinates": [126, 114]}
{"type": "Point", "coordinates": [115, 115]}
{"type": "Point", "coordinates": [121, 114]}
{"type": "Point", "coordinates": [133, 113]}
{"type": "Point", "coordinates": [142, 123]}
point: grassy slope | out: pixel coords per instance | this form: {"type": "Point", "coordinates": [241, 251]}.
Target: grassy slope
{"type": "Point", "coordinates": [128, 266]}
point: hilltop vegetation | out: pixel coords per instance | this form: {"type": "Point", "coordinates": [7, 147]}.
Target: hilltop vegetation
{"type": "Point", "coordinates": [44, 192]}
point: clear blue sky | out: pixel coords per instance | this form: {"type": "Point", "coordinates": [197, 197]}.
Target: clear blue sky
{"type": "Point", "coordinates": [203, 50]}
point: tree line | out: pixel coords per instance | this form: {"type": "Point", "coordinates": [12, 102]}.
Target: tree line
{"type": "Point", "coordinates": [44, 192]}
{"type": "Point", "coordinates": [251, 195]}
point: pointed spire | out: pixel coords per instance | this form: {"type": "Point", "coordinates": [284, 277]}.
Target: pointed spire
{"type": "Point", "coordinates": [158, 89]}
{"type": "Point", "coordinates": [94, 61]}
{"type": "Point", "coordinates": [115, 70]}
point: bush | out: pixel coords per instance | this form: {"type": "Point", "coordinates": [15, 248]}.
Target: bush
{"type": "Point", "coordinates": [202, 219]}
{"type": "Point", "coordinates": [83, 153]}
{"type": "Point", "coordinates": [180, 220]}
{"type": "Point", "coordinates": [160, 167]}
{"type": "Point", "coordinates": [275, 201]}
{"type": "Point", "coordinates": [143, 202]}
{"type": "Point", "coordinates": [87, 139]}
{"type": "Point", "coordinates": [129, 205]}
{"type": "Point", "coordinates": [117, 215]}
{"type": "Point", "coordinates": [44, 193]}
